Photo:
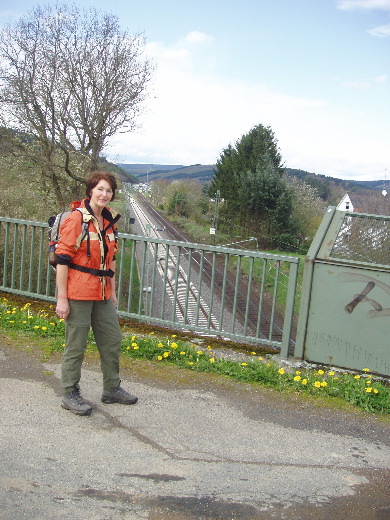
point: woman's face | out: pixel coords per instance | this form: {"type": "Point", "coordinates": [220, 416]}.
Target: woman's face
{"type": "Point", "coordinates": [101, 195]}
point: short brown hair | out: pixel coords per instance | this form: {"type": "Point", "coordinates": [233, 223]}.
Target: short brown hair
{"type": "Point", "coordinates": [96, 177]}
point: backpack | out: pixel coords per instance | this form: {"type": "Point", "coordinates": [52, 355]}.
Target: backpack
{"type": "Point", "coordinates": [55, 222]}
{"type": "Point", "coordinates": [54, 235]}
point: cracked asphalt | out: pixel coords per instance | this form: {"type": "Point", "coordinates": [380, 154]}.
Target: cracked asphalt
{"type": "Point", "coordinates": [195, 447]}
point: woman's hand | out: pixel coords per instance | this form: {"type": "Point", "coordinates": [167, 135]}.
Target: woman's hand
{"type": "Point", "coordinates": [62, 308]}
{"type": "Point", "coordinates": [114, 299]}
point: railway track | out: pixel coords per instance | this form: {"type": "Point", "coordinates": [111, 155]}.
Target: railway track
{"type": "Point", "coordinates": [188, 304]}
{"type": "Point", "coordinates": [237, 296]}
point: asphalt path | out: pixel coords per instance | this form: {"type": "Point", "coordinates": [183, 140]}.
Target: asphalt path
{"type": "Point", "coordinates": [195, 447]}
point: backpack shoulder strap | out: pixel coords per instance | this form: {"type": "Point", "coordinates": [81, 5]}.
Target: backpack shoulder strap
{"type": "Point", "coordinates": [86, 218]}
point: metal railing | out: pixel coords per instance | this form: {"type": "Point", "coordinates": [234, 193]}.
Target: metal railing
{"type": "Point", "coordinates": [226, 293]}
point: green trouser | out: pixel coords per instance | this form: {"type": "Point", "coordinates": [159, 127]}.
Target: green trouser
{"type": "Point", "coordinates": [102, 317]}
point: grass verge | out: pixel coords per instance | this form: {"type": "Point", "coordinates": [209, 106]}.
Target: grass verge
{"type": "Point", "coordinates": [363, 390]}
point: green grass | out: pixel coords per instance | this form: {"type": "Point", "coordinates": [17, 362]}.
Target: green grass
{"type": "Point", "coordinates": [363, 390]}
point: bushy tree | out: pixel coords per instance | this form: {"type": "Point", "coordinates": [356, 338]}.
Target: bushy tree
{"type": "Point", "coordinates": [71, 79]}
{"type": "Point", "coordinates": [251, 180]}
{"type": "Point", "coordinates": [235, 161]}
{"type": "Point", "coordinates": [307, 210]}
{"type": "Point", "coordinates": [264, 198]}
{"type": "Point", "coordinates": [185, 198]}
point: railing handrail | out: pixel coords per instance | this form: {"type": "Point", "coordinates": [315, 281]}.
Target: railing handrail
{"type": "Point", "coordinates": [177, 275]}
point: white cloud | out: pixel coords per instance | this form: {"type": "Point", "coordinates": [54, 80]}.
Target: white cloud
{"type": "Point", "coordinates": [359, 85]}
{"type": "Point", "coordinates": [196, 114]}
{"type": "Point", "coordinates": [350, 5]}
{"type": "Point", "coordinates": [381, 79]}
{"type": "Point", "coordinates": [198, 37]}
{"type": "Point", "coordinates": [382, 31]}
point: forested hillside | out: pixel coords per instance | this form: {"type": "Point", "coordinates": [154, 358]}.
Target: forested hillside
{"type": "Point", "coordinates": [330, 189]}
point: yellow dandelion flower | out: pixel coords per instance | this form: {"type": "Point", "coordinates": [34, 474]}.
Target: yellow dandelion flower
{"type": "Point", "coordinates": [297, 378]}
{"type": "Point", "coordinates": [212, 360]}
{"type": "Point", "coordinates": [134, 344]}
{"type": "Point", "coordinates": [52, 324]}
{"type": "Point", "coordinates": [331, 373]}
{"type": "Point", "coordinates": [324, 383]}
{"type": "Point", "coordinates": [317, 384]}
{"type": "Point", "coordinates": [253, 353]}
{"type": "Point", "coordinates": [199, 352]}
{"type": "Point", "coordinates": [151, 333]}
{"type": "Point", "coordinates": [174, 345]}
{"type": "Point", "coordinates": [190, 362]}
{"type": "Point", "coordinates": [368, 382]}
{"type": "Point", "coordinates": [366, 369]}
{"type": "Point", "coordinates": [24, 322]}
{"type": "Point", "coordinates": [260, 358]}
{"type": "Point", "coordinates": [166, 354]}
{"type": "Point", "coordinates": [36, 327]}
{"type": "Point", "coordinates": [44, 328]}
{"type": "Point", "coordinates": [11, 321]}
{"type": "Point", "coordinates": [182, 353]}
{"type": "Point", "coordinates": [304, 381]}
{"type": "Point", "coordinates": [298, 372]}
{"type": "Point", "coordinates": [356, 377]}
{"type": "Point", "coordinates": [244, 364]}
{"type": "Point", "coordinates": [281, 371]}
{"type": "Point", "coordinates": [160, 345]}
{"type": "Point", "coordinates": [376, 391]}
{"type": "Point", "coordinates": [136, 347]}
{"type": "Point", "coordinates": [209, 348]}
{"type": "Point", "coordinates": [128, 348]}
{"type": "Point", "coordinates": [320, 372]}
{"type": "Point", "coordinates": [132, 338]}
{"type": "Point", "coordinates": [159, 358]}
{"type": "Point", "coordinates": [369, 389]}
{"type": "Point", "coordinates": [174, 336]}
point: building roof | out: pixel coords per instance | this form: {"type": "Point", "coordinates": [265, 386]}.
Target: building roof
{"type": "Point", "coordinates": [375, 203]}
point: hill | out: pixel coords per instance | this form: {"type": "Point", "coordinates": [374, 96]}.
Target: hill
{"type": "Point", "coordinates": [151, 172]}
{"type": "Point", "coordinates": [330, 189]}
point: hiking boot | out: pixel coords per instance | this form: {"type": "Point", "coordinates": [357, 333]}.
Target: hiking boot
{"type": "Point", "coordinates": [74, 402]}
{"type": "Point", "coordinates": [118, 395]}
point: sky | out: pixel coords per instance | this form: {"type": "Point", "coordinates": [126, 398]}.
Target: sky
{"type": "Point", "coordinates": [316, 71]}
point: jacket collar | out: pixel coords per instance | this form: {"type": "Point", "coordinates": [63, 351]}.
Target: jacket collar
{"type": "Point", "coordinates": [108, 214]}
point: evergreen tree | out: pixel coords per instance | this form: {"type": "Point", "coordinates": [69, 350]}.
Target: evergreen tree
{"type": "Point", "coordinates": [236, 161]}
{"type": "Point", "coordinates": [265, 199]}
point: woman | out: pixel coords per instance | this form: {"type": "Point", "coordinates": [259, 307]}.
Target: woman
{"type": "Point", "coordinates": [86, 292]}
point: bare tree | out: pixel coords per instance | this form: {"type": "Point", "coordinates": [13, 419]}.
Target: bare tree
{"type": "Point", "coordinates": [71, 79]}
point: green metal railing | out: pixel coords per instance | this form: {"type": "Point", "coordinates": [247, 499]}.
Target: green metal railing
{"type": "Point", "coordinates": [228, 293]}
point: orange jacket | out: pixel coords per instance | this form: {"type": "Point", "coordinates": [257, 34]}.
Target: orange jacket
{"type": "Point", "coordinates": [73, 248]}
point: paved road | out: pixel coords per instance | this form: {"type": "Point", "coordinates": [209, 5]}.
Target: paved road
{"type": "Point", "coordinates": [194, 447]}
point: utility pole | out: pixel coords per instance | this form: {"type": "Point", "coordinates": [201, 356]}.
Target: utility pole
{"type": "Point", "coordinates": [213, 229]}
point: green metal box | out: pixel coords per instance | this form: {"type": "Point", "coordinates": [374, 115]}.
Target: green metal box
{"type": "Point", "coordinates": [345, 305]}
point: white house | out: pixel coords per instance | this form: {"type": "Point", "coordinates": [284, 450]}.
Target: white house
{"type": "Point", "coordinates": [345, 204]}
{"type": "Point", "coordinates": [375, 203]}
